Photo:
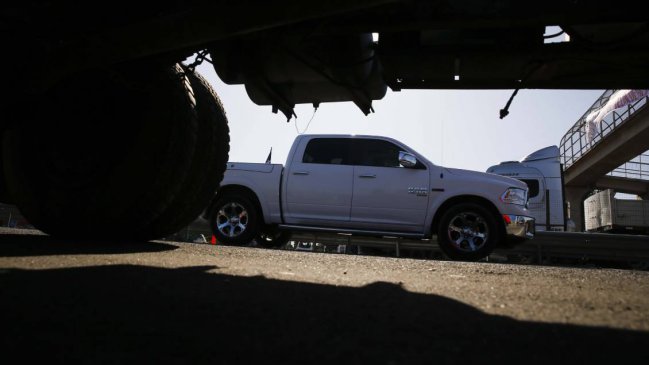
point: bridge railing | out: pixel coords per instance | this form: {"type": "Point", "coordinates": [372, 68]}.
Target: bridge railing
{"type": "Point", "coordinates": [588, 131]}
{"type": "Point", "coordinates": [637, 168]}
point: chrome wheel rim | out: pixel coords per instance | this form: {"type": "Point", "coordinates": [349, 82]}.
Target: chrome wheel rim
{"type": "Point", "coordinates": [232, 219]}
{"type": "Point", "coordinates": [468, 231]}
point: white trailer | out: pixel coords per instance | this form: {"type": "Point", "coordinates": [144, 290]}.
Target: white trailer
{"type": "Point", "coordinates": [605, 213]}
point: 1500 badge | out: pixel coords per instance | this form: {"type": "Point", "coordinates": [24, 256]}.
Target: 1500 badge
{"type": "Point", "coordinates": [418, 191]}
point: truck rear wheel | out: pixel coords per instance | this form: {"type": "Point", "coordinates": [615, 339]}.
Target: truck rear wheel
{"type": "Point", "coordinates": [467, 232]}
{"type": "Point", "coordinates": [111, 153]}
{"type": "Point", "coordinates": [235, 219]}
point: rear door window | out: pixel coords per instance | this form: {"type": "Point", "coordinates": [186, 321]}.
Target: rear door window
{"type": "Point", "coordinates": [330, 151]}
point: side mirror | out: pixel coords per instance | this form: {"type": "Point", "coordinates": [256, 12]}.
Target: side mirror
{"type": "Point", "coordinates": [407, 159]}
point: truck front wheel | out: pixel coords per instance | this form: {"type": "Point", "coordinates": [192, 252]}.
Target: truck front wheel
{"type": "Point", "coordinates": [235, 219]}
{"type": "Point", "coordinates": [467, 232]}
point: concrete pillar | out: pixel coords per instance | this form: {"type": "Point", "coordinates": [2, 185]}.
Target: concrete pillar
{"type": "Point", "coordinates": [575, 196]}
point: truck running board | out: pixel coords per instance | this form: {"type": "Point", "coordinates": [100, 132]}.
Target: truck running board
{"type": "Point", "coordinates": [360, 232]}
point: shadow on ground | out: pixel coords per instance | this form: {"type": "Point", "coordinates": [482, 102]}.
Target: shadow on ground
{"type": "Point", "coordinates": [18, 245]}
{"type": "Point", "coordinates": [128, 314]}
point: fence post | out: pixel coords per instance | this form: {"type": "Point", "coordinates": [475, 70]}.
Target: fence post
{"type": "Point", "coordinates": [398, 247]}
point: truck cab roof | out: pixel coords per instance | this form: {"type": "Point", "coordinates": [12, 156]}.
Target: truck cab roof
{"type": "Point", "coordinates": [541, 163]}
{"type": "Point", "coordinates": [547, 153]}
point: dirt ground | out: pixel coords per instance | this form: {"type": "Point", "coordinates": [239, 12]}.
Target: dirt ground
{"type": "Point", "coordinates": [171, 302]}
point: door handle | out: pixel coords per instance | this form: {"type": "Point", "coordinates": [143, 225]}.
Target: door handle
{"type": "Point", "coordinates": [372, 176]}
{"type": "Point", "coordinates": [300, 173]}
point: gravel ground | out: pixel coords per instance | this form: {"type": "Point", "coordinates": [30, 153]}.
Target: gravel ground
{"type": "Point", "coordinates": [177, 302]}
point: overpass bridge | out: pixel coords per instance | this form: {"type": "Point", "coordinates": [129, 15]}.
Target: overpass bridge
{"type": "Point", "coordinates": [607, 148]}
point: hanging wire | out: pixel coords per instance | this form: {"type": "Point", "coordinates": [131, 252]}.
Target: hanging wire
{"type": "Point", "coordinates": [315, 109]}
{"type": "Point", "coordinates": [505, 111]}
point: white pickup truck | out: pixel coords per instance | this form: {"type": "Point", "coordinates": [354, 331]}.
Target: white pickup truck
{"type": "Point", "coordinates": [369, 185]}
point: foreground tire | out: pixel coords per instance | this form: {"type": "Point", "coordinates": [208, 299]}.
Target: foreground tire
{"type": "Point", "coordinates": [112, 154]}
{"type": "Point", "coordinates": [467, 232]}
{"type": "Point", "coordinates": [235, 219]}
{"type": "Point", "coordinates": [209, 159]}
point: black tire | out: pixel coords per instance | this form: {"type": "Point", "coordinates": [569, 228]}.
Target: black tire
{"type": "Point", "coordinates": [209, 161]}
{"type": "Point", "coordinates": [273, 238]}
{"type": "Point", "coordinates": [104, 154]}
{"type": "Point", "coordinates": [235, 219]}
{"type": "Point", "coordinates": [467, 232]}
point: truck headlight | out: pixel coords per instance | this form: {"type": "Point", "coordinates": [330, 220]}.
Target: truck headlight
{"type": "Point", "coordinates": [514, 196]}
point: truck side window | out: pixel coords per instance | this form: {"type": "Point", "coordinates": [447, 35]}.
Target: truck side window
{"type": "Point", "coordinates": [533, 185]}
{"type": "Point", "coordinates": [331, 151]}
{"type": "Point", "coordinates": [375, 152]}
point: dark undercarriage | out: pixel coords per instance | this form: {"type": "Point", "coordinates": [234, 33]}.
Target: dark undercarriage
{"type": "Point", "coordinates": [285, 53]}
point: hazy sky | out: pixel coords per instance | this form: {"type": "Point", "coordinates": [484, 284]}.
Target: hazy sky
{"type": "Point", "coordinates": [451, 128]}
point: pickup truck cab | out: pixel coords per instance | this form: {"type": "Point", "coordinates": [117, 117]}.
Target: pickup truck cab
{"type": "Point", "coordinates": [369, 185]}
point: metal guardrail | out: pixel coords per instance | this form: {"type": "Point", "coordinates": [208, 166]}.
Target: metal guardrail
{"type": "Point", "coordinates": [545, 245]}
{"type": "Point", "coordinates": [585, 134]}
{"type": "Point", "coordinates": [594, 246]}
{"type": "Point", "coordinates": [600, 246]}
